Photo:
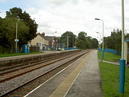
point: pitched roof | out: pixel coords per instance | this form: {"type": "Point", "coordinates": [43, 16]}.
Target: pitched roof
{"type": "Point", "coordinates": [42, 35]}
{"type": "Point", "coordinates": [49, 38]}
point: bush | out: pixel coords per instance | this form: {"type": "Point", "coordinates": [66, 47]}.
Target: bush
{"type": "Point", "coordinates": [4, 50]}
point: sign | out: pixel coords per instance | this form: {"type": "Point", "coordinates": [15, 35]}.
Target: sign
{"type": "Point", "coordinates": [16, 40]}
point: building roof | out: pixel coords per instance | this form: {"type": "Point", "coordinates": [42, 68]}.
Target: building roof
{"type": "Point", "coordinates": [49, 38]}
{"type": "Point", "coordinates": [42, 35]}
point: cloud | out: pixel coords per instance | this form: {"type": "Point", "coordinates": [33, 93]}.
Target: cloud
{"type": "Point", "coordinates": [78, 15]}
{"type": "Point", "coordinates": [74, 15]}
{"type": "Point", "coordinates": [57, 1]}
{"type": "Point", "coordinates": [60, 2]}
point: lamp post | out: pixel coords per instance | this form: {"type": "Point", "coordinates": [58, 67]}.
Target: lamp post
{"type": "Point", "coordinates": [98, 36]}
{"type": "Point", "coordinates": [55, 40]}
{"type": "Point", "coordinates": [16, 38]}
{"type": "Point", "coordinates": [67, 41]}
{"type": "Point", "coordinates": [102, 37]}
{"type": "Point", "coordinates": [122, 60]}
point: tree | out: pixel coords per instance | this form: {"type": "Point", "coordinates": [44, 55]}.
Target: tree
{"type": "Point", "coordinates": [86, 42]}
{"type": "Point", "coordinates": [94, 43]}
{"type": "Point", "coordinates": [3, 40]}
{"type": "Point", "coordinates": [71, 39]}
{"type": "Point", "coordinates": [8, 32]}
{"type": "Point", "coordinates": [27, 28]}
{"type": "Point", "coordinates": [114, 41]}
{"type": "Point", "coordinates": [18, 13]}
{"type": "Point", "coordinates": [81, 41]}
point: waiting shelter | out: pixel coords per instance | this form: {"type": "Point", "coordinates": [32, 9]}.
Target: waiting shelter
{"type": "Point", "coordinates": [126, 50]}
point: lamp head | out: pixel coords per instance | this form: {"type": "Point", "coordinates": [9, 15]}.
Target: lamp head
{"type": "Point", "coordinates": [97, 19]}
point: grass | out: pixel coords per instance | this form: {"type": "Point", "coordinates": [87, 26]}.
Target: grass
{"type": "Point", "coordinates": [110, 57]}
{"type": "Point", "coordinates": [17, 54]}
{"type": "Point", "coordinates": [110, 78]}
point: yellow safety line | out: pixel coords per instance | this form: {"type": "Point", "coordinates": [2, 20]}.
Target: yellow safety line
{"type": "Point", "coordinates": [63, 88]}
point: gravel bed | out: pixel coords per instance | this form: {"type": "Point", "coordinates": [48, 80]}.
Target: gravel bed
{"type": "Point", "coordinates": [30, 68]}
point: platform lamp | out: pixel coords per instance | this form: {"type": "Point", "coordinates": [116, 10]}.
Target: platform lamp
{"type": "Point", "coordinates": [98, 36]}
{"type": "Point", "coordinates": [122, 60]}
{"type": "Point", "coordinates": [102, 57]}
{"type": "Point", "coordinates": [16, 38]}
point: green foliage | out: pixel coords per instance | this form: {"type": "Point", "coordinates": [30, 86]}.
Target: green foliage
{"type": "Point", "coordinates": [113, 41]}
{"type": "Point", "coordinates": [71, 39]}
{"type": "Point", "coordinates": [16, 54]}
{"type": "Point", "coordinates": [17, 12]}
{"type": "Point", "coordinates": [94, 43]}
{"type": "Point", "coordinates": [8, 31]}
{"type": "Point", "coordinates": [110, 80]}
{"type": "Point", "coordinates": [110, 77]}
{"type": "Point", "coordinates": [4, 49]}
{"type": "Point", "coordinates": [82, 42]}
{"type": "Point", "coordinates": [86, 42]}
{"type": "Point", "coordinates": [27, 28]}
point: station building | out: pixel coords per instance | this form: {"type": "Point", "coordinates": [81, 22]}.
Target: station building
{"type": "Point", "coordinates": [39, 43]}
{"type": "Point", "coordinates": [126, 50]}
{"type": "Point", "coordinates": [42, 43]}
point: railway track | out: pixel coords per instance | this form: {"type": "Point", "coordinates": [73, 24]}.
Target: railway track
{"type": "Point", "coordinates": [17, 72]}
{"type": "Point", "coordinates": [30, 61]}
{"type": "Point", "coordinates": [14, 71]}
{"type": "Point", "coordinates": [45, 61]}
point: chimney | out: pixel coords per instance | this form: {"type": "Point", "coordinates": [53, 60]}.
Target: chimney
{"type": "Point", "coordinates": [43, 34]}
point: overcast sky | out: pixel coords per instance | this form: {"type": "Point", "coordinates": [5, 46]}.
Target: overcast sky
{"type": "Point", "coordinates": [73, 15]}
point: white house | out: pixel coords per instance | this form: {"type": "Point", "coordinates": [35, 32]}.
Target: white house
{"type": "Point", "coordinates": [39, 41]}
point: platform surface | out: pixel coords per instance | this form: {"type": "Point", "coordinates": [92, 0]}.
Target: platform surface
{"type": "Point", "coordinates": [81, 80]}
{"type": "Point", "coordinates": [88, 82]}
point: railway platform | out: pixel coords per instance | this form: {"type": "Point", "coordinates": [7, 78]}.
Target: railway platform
{"type": "Point", "coordinates": [82, 80]}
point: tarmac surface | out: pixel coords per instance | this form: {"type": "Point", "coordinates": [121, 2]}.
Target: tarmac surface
{"type": "Point", "coordinates": [80, 79]}
{"type": "Point", "coordinates": [88, 83]}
